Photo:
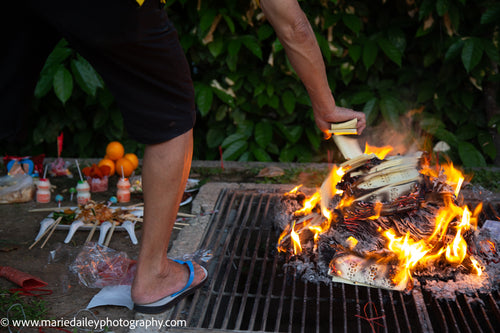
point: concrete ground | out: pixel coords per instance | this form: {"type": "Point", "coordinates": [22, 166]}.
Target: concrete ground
{"type": "Point", "coordinates": [19, 226]}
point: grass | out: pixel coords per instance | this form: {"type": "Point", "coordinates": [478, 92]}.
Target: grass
{"type": "Point", "coordinates": [21, 307]}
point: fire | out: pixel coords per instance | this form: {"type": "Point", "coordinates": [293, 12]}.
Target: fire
{"type": "Point", "coordinates": [309, 204]}
{"type": "Point", "coordinates": [446, 242]}
{"type": "Point", "coordinates": [408, 251]}
{"type": "Point", "coordinates": [381, 152]}
{"type": "Point", "coordinates": [297, 248]}
{"type": "Point", "coordinates": [454, 177]}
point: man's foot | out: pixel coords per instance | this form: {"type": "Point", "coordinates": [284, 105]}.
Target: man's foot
{"type": "Point", "coordinates": [154, 293]}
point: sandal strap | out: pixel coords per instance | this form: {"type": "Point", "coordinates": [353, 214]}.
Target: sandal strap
{"type": "Point", "coordinates": [191, 275]}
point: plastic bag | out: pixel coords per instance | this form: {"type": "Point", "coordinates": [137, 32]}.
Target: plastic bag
{"type": "Point", "coordinates": [16, 189]}
{"type": "Point", "coordinates": [99, 266]}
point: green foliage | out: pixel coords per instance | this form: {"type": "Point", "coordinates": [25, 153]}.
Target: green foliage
{"type": "Point", "coordinates": [384, 58]}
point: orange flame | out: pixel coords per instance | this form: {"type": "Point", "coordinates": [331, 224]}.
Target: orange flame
{"type": "Point", "coordinates": [309, 204]}
{"type": "Point", "coordinates": [381, 152]}
{"type": "Point", "coordinates": [297, 248]}
{"type": "Point", "coordinates": [408, 251]}
{"type": "Point", "coordinates": [476, 266]}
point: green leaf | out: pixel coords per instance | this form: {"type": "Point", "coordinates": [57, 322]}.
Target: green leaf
{"type": "Point", "coordinates": [294, 133]}
{"type": "Point", "coordinates": [314, 137]}
{"type": "Point", "coordinates": [487, 145]}
{"type": "Point", "coordinates": [57, 56]}
{"type": "Point", "coordinates": [253, 45]}
{"type": "Point", "coordinates": [287, 154]}
{"type": "Point", "coordinates": [204, 98]}
{"type": "Point", "coordinates": [232, 138]}
{"type": "Point", "coordinates": [426, 8]}
{"type": "Point", "coordinates": [85, 75]}
{"type": "Point", "coordinates": [446, 136]}
{"type": "Point", "coordinates": [216, 47]}
{"type": "Point", "coordinates": [353, 22]}
{"type": "Point", "coordinates": [264, 32]}
{"type": "Point", "coordinates": [44, 85]}
{"type": "Point", "coordinates": [470, 156]}
{"type": "Point", "coordinates": [261, 155]}
{"type": "Point", "coordinates": [370, 51]}
{"type": "Point", "coordinates": [63, 84]}
{"type": "Point", "coordinates": [355, 52]}
{"type": "Point", "coordinates": [229, 23]}
{"type": "Point", "coordinates": [215, 136]}
{"type": "Point", "coordinates": [263, 134]}
{"type": "Point", "coordinates": [234, 150]}
{"type": "Point", "coordinates": [288, 99]}
{"type": "Point", "coordinates": [491, 50]}
{"type": "Point", "coordinates": [371, 111]}
{"type": "Point", "coordinates": [389, 106]}
{"type": "Point", "coordinates": [491, 15]}
{"type": "Point", "coordinates": [471, 53]}
{"type": "Point", "coordinates": [207, 17]}
{"type": "Point", "coordinates": [234, 47]}
{"type": "Point", "coordinates": [454, 50]}
{"type": "Point", "coordinates": [390, 50]}
{"type": "Point", "coordinates": [442, 6]}
{"type": "Point", "coordinates": [99, 119]}
{"type": "Point", "coordinates": [362, 97]}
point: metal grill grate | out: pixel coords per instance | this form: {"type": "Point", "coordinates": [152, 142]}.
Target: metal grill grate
{"type": "Point", "coordinates": [249, 290]}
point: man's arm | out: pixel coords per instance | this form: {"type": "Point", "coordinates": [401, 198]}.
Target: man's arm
{"type": "Point", "coordinates": [297, 36]}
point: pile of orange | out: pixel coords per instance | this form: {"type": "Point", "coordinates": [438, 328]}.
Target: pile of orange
{"type": "Point", "coordinates": [118, 161]}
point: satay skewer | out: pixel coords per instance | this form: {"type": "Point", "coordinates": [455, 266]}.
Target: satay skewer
{"type": "Point", "coordinates": [110, 233]}
{"type": "Point", "coordinates": [52, 228]}
{"type": "Point", "coordinates": [44, 233]}
{"type": "Point", "coordinates": [92, 231]}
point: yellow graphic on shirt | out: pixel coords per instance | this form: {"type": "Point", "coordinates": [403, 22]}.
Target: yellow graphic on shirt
{"type": "Point", "coordinates": [140, 2]}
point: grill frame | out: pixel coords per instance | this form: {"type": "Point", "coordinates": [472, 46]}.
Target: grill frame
{"type": "Point", "coordinates": [241, 236]}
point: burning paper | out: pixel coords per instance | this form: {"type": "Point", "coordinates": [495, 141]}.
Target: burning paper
{"type": "Point", "coordinates": [378, 221]}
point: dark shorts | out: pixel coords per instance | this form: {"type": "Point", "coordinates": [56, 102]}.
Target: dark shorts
{"type": "Point", "coordinates": [135, 49]}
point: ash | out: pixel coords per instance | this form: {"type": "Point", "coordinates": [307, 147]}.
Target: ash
{"type": "Point", "coordinates": [413, 212]}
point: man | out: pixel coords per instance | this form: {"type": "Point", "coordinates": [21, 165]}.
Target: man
{"type": "Point", "coordinates": [136, 51]}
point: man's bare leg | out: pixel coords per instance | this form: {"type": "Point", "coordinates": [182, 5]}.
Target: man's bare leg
{"type": "Point", "coordinates": [165, 171]}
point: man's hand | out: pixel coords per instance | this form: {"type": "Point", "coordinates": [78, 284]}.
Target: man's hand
{"type": "Point", "coordinates": [301, 47]}
{"type": "Point", "coordinates": [340, 114]}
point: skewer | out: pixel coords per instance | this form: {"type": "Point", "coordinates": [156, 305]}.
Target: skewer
{"type": "Point", "coordinates": [91, 232]}
{"type": "Point", "coordinates": [49, 209]}
{"type": "Point", "coordinates": [52, 228]}
{"type": "Point", "coordinates": [40, 236]}
{"type": "Point", "coordinates": [110, 234]}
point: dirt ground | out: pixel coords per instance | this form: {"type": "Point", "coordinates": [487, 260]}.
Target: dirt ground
{"type": "Point", "coordinates": [18, 229]}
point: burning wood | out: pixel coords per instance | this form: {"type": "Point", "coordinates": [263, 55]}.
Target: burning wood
{"type": "Point", "coordinates": [380, 221]}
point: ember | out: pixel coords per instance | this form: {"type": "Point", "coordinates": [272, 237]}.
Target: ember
{"type": "Point", "coordinates": [381, 221]}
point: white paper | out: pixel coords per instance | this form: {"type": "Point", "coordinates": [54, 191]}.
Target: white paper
{"type": "Point", "coordinates": [113, 295]}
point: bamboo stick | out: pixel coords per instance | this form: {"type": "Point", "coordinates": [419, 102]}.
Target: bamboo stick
{"type": "Point", "coordinates": [91, 232]}
{"type": "Point", "coordinates": [110, 234]}
{"type": "Point", "coordinates": [52, 227]}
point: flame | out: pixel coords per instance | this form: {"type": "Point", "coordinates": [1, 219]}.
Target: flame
{"type": "Point", "coordinates": [294, 190]}
{"type": "Point", "coordinates": [454, 177]}
{"type": "Point", "coordinates": [476, 266]}
{"type": "Point", "coordinates": [446, 241]}
{"type": "Point", "coordinates": [309, 204]}
{"type": "Point", "coordinates": [381, 152]}
{"type": "Point", "coordinates": [409, 253]}
{"type": "Point", "coordinates": [297, 248]}
{"type": "Point", "coordinates": [351, 242]}
{"type": "Point", "coordinates": [377, 209]}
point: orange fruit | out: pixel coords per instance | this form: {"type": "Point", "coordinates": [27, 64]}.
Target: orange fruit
{"type": "Point", "coordinates": [127, 166]}
{"type": "Point", "coordinates": [132, 158]}
{"type": "Point", "coordinates": [115, 150]}
{"type": "Point", "coordinates": [108, 162]}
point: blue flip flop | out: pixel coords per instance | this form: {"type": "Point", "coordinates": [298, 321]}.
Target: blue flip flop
{"type": "Point", "coordinates": [169, 301]}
